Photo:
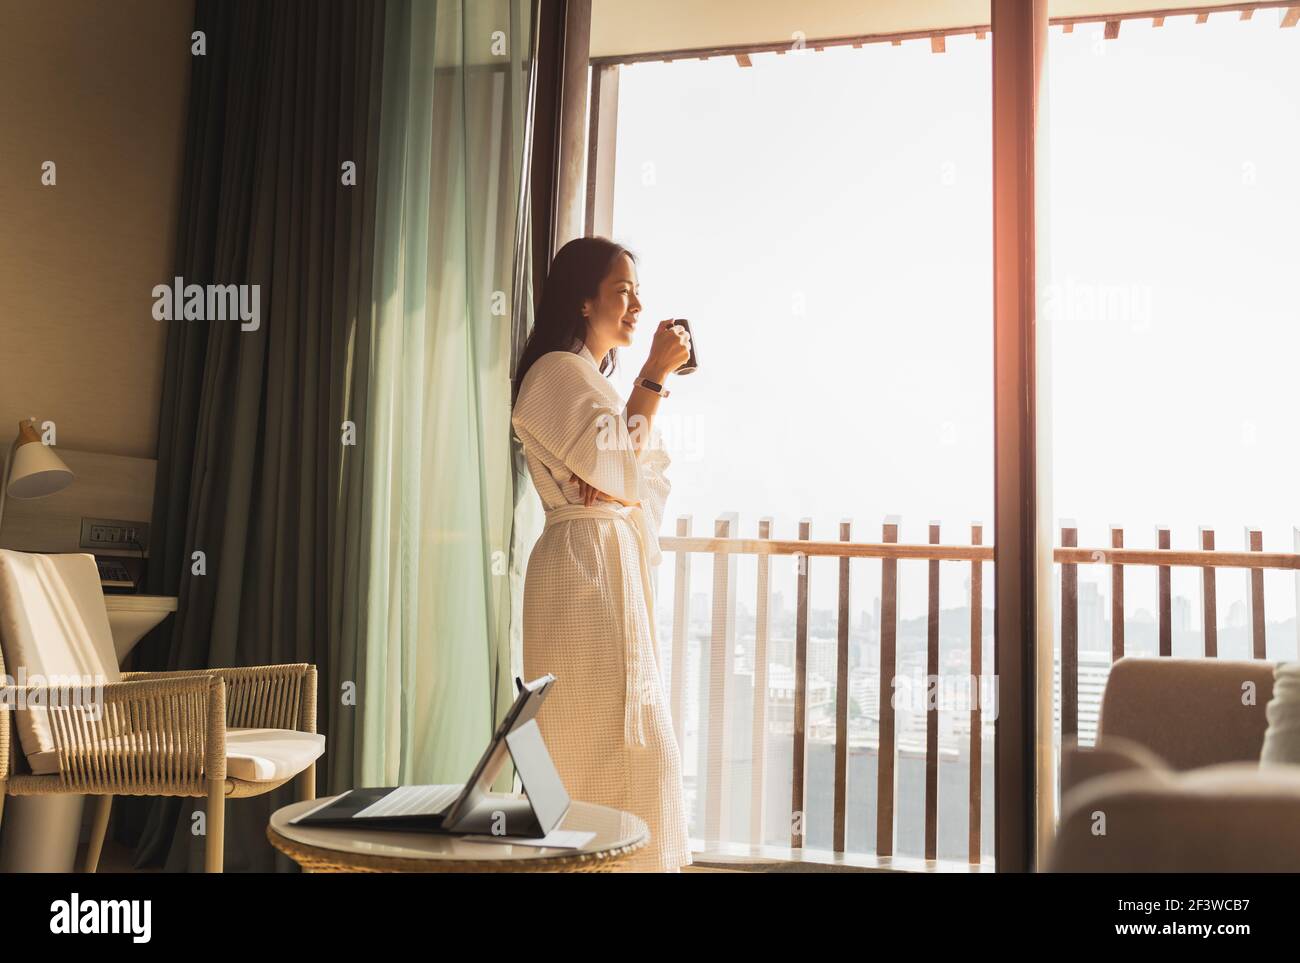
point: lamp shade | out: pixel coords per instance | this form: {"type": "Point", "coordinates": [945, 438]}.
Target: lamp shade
{"type": "Point", "coordinates": [37, 471]}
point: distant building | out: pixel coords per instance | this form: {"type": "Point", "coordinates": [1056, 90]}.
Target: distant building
{"type": "Point", "coordinates": [1094, 668]}
{"type": "Point", "coordinates": [1237, 614]}
{"type": "Point", "coordinates": [1092, 618]}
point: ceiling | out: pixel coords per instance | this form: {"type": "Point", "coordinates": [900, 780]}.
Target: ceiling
{"type": "Point", "coordinates": [629, 27]}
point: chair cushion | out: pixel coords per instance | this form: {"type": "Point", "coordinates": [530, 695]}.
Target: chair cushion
{"type": "Point", "coordinates": [1229, 818]}
{"type": "Point", "coordinates": [252, 755]}
{"type": "Point", "coordinates": [268, 755]}
{"type": "Point", "coordinates": [53, 630]}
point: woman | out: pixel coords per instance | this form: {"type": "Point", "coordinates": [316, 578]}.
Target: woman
{"type": "Point", "coordinates": [588, 607]}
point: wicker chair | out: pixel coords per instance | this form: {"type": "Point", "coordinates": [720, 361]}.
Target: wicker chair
{"type": "Point", "coordinates": [154, 733]}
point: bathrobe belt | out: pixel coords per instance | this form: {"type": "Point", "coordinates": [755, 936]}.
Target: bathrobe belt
{"type": "Point", "coordinates": [639, 688]}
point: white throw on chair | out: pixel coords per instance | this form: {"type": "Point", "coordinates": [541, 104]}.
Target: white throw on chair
{"type": "Point", "coordinates": [87, 728]}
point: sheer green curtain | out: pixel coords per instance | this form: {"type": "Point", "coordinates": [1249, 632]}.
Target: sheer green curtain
{"type": "Point", "coordinates": [442, 478]}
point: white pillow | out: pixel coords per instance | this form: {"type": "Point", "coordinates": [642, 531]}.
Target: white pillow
{"type": "Point", "coordinates": [1282, 737]}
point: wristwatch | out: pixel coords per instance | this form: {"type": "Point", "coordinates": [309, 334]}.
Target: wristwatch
{"type": "Point", "coordinates": [654, 386]}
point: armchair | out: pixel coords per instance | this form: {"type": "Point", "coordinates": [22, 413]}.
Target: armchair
{"type": "Point", "coordinates": [210, 733]}
{"type": "Point", "coordinates": [1174, 783]}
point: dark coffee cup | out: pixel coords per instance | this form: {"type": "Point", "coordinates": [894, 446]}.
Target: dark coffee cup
{"type": "Point", "coordinates": [690, 364]}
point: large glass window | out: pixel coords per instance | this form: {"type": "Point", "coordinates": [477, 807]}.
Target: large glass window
{"type": "Point", "coordinates": [1173, 244]}
{"type": "Point", "coordinates": [824, 221]}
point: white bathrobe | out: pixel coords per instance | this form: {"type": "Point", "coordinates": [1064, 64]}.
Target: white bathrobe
{"type": "Point", "coordinates": [588, 601]}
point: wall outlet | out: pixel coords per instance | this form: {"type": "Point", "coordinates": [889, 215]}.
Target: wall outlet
{"type": "Point", "coordinates": [98, 534]}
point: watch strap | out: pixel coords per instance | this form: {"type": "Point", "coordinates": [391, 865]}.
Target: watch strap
{"type": "Point", "coordinates": [654, 386]}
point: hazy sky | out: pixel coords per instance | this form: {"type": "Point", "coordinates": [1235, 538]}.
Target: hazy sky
{"type": "Point", "coordinates": [825, 221]}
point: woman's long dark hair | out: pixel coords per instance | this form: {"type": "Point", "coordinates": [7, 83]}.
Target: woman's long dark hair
{"type": "Point", "coordinates": [575, 275]}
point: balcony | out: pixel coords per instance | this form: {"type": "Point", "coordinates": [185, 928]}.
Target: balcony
{"type": "Point", "coordinates": [811, 771]}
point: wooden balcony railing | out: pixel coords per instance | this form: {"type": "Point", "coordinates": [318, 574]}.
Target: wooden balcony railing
{"type": "Point", "coordinates": [1207, 559]}
{"type": "Point", "coordinates": [725, 543]}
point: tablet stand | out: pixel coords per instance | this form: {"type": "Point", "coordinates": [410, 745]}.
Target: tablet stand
{"type": "Point", "coordinates": [545, 800]}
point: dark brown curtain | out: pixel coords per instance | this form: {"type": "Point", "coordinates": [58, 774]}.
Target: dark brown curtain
{"type": "Point", "coordinates": [253, 470]}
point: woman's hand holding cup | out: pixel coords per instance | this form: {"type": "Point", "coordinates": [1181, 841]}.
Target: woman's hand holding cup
{"type": "Point", "coordinates": [670, 350]}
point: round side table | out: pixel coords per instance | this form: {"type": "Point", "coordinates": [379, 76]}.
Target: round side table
{"type": "Point", "coordinates": [319, 849]}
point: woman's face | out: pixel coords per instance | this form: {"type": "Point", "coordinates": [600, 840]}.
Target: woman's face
{"type": "Point", "coordinates": [612, 315]}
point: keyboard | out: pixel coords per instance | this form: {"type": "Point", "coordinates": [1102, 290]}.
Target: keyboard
{"type": "Point", "coordinates": [413, 801]}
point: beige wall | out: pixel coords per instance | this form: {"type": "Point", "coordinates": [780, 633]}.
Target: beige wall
{"type": "Point", "coordinates": [99, 87]}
